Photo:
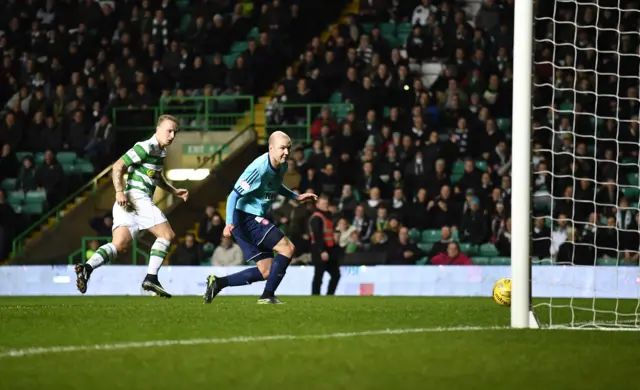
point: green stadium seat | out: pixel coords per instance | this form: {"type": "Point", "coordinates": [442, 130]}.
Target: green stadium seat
{"type": "Point", "coordinates": [66, 157]}
{"type": "Point", "coordinates": [607, 262]}
{"type": "Point", "coordinates": [185, 21]}
{"type": "Point", "coordinates": [396, 42]}
{"type": "Point", "coordinates": [423, 261]}
{"type": "Point", "coordinates": [426, 246]}
{"type": "Point", "coordinates": [17, 208]}
{"type": "Point", "coordinates": [414, 235]}
{"type": "Point", "coordinates": [455, 178]}
{"type": "Point", "coordinates": [83, 167]}
{"type": "Point", "coordinates": [480, 260]}
{"type": "Point", "coordinates": [537, 261]}
{"type": "Point", "coordinates": [33, 208]}
{"type": "Point", "coordinates": [9, 184]}
{"type": "Point", "coordinates": [503, 124]}
{"type": "Point", "coordinates": [458, 168]}
{"type": "Point", "coordinates": [432, 235]}
{"type": "Point", "coordinates": [542, 207]}
{"type": "Point", "coordinates": [481, 165]}
{"type": "Point", "coordinates": [35, 197]}
{"type": "Point", "coordinates": [500, 261]}
{"type": "Point", "coordinates": [387, 111]}
{"type": "Point", "coordinates": [182, 4]}
{"type": "Point", "coordinates": [69, 169]}
{"type": "Point", "coordinates": [15, 197]}
{"type": "Point", "coordinates": [567, 107]}
{"type": "Point", "coordinates": [239, 47]}
{"type": "Point", "coordinates": [467, 248]}
{"type": "Point", "coordinates": [340, 112]}
{"type": "Point", "coordinates": [633, 179]}
{"type": "Point", "coordinates": [488, 250]}
{"type": "Point", "coordinates": [208, 249]}
{"type": "Point", "coordinates": [404, 28]}
{"type": "Point", "coordinates": [253, 34]}
{"type": "Point", "coordinates": [230, 60]}
{"type": "Point", "coordinates": [388, 30]}
{"type": "Point", "coordinates": [631, 193]}
{"type": "Point", "coordinates": [39, 158]}
{"type": "Point", "coordinates": [336, 97]}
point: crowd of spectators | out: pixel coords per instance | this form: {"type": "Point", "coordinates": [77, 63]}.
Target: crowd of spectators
{"type": "Point", "coordinates": [417, 154]}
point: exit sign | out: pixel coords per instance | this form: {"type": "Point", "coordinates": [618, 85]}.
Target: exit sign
{"type": "Point", "coordinates": [195, 150]}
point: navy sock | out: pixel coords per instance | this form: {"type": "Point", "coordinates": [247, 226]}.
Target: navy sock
{"type": "Point", "coordinates": [244, 277]}
{"type": "Point", "coordinates": [276, 274]}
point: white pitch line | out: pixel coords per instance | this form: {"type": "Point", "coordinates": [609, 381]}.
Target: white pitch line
{"type": "Point", "coordinates": [247, 339]}
{"type": "Point", "coordinates": [13, 353]}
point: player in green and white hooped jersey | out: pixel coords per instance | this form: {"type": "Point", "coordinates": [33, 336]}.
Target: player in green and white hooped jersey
{"type": "Point", "coordinates": [134, 210]}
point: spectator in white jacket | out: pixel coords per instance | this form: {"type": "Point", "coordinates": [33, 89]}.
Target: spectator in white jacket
{"type": "Point", "coordinates": [227, 253]}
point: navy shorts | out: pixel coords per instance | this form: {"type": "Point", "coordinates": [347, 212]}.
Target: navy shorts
{"type": "Point", "coordinates": [257, 236]}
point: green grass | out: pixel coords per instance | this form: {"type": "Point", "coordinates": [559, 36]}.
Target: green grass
{"type": "Point", "coordinates": [453, 359]}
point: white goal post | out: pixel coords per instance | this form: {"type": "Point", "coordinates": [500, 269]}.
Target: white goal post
{"type": "Point", "coordinates": [587, 63]}
{"type": "Point", "coordinates": [521, 166]}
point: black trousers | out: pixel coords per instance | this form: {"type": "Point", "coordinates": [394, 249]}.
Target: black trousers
{"type": "Point", "coordinates": [332, 267]}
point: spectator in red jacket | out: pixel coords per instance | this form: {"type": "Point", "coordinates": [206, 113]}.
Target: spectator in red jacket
{"type": "Point", "coordinates": [452, 256]}
{"type": "Point", "coordinates": [325, 119]}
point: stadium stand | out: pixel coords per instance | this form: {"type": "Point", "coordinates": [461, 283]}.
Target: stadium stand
{"type": "Point", "coordinates": [401, 113]}
{"type": "Point", "coordinates": [72, 68]}
{"type": "Point", "coordinates": [424, 142]}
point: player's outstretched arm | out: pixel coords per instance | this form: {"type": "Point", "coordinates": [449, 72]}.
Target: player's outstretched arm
{"type": "Point", "coordinates": [287, 193]}
{"type": "Point", "coordinates": [165, 185]}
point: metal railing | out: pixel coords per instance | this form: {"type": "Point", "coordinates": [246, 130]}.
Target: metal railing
{"type": "Point", "coordinates": [82, 251]}
{"type": "Point", "coordinates": [199, 113]}
{"type": "Point", "coordinates": [217, 157]}
{"type": "Point", "coordinates": [296, 119]}
{"type": "Point", "coordinates": [208, 112]}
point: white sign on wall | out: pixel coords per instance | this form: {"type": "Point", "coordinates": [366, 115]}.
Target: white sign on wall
{"type": "Point", "coordinates": [554, 281]}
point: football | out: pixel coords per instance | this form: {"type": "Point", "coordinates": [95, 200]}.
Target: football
{"type": "Point", "coordinates": [502, 292]}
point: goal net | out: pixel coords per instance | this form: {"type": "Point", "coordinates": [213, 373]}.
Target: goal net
{"type": "Point", "coordinates": [585, 156]}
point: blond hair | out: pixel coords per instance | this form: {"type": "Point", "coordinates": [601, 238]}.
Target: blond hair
{"type": "Point", "coordinates": [164, 118]}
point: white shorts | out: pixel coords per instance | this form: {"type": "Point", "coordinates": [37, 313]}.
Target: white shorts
{"type": "Point", "coordinates": [146, 215]}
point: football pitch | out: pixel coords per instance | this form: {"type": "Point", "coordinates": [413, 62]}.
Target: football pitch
{"type": "Point", "coordinates": [308, 343]}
